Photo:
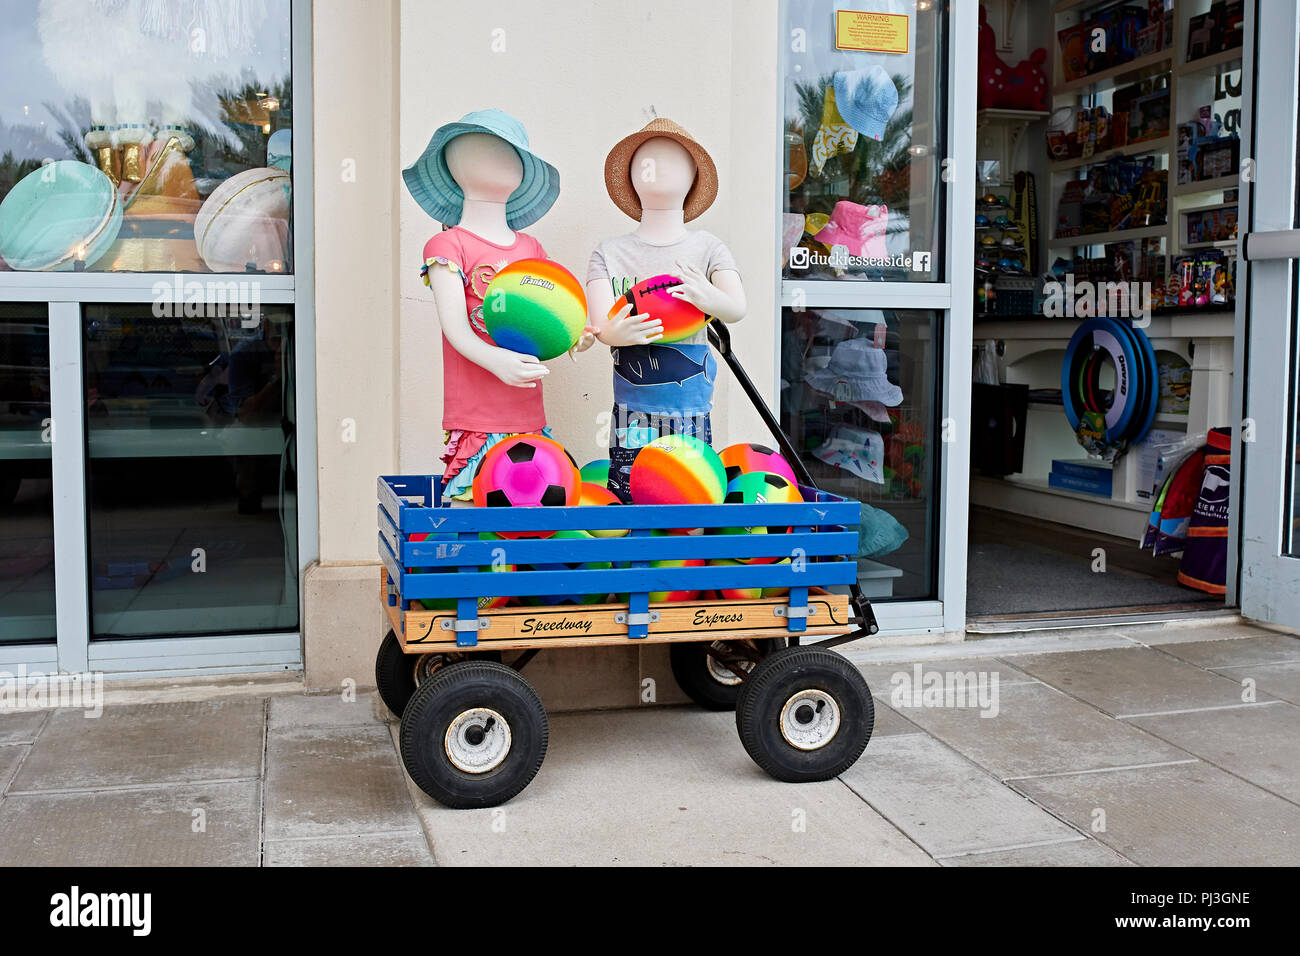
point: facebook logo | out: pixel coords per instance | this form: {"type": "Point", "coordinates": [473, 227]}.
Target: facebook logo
{"type": "Point", "coordinates": [920, 262]}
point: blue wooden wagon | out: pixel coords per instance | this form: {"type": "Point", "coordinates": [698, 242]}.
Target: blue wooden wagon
{"type": "Point", "coordinates": [734, 607]}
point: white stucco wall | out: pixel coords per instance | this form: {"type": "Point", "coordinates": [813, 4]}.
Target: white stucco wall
{"type": "Point", "coordinates": [580, 76]}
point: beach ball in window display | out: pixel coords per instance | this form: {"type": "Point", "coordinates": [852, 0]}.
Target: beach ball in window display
{"type": "Point", "coordinates": [64, 214]}
{"type": "Point", "coordinates": [244, 223]}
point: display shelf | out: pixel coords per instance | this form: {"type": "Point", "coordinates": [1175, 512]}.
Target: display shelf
{"type": "Point", "coordinates": [1101, 238]}
{"type": "Point", "coordinates": [1161, 144]}
{"type": "Point", "coordinates": [1231, 181]}
{"type": "Point", "coordinates": [1027, 116]}
{"type": "Point", "coordinates": [1206, 63]}
{"type": "Point", "coordinates": [1135, 69]}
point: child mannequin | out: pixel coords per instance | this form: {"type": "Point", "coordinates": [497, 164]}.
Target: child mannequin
{"type": "Point", "coordinates": [663, 178]}
{"type": "Point", "coordinates": [479, 177]}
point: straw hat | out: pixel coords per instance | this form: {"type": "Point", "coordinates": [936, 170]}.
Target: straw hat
{"type": "Point", "coordinates": [618, 170]}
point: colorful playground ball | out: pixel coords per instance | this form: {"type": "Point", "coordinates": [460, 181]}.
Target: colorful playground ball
{"type": "Point", "coordinates": [526, 471]}
{"type": "Point", "coordinates": [593, 494]}
{"type": "Point", "coordinates": [536, 599]}
{"type": "Point", "coordinates": [654, 297]}
{"type": "Point", "coordinates": [596, 472]}
{"type": "Point", "coordinates": [535, 306]}
{"type": "Point", "coordinates": [741, 459]}
{"type": "Point", "coordinates": [746, 594]}
{"type": "Point", "coordinates": [756, 488]}
{"type": "Point", "coordinates": [677, 470]}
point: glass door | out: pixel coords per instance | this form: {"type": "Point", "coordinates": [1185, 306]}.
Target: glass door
{"type": "Point", "coordinates": [1269, 437]}
{"type": "Point", "coordinates": [876, 120]}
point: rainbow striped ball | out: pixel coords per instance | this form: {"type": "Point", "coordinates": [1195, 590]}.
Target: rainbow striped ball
{"type": "Point", "coordinates": [751, 593]}
{"type": "Point", "coordinates": [535, 307]}
{"type": "Point", "coordinates": [677, 470]}
{"type": "Point", "coordinates": [596, 472]}
{"type": "Point", "coordinates": [742, 458]}
{"type": "Point", "coordinates": [592, 494]}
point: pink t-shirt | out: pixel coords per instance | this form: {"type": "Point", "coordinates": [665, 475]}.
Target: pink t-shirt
{"type": "Point", "coordinates": [473, 399]}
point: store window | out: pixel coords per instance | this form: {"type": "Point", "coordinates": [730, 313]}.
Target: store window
{"type": "Point", "coordinates": [191, 472]}
{"type": "Point", "coordinates": [863, 86]}
{"type": "Point", "coordinates": [26, 498]}
{"type": "Point", "coordinates": [858, 400]}
{"type": "Point", "coordinates": [145, 136]}
{"type": "Point", "coordinates": [863, 140]}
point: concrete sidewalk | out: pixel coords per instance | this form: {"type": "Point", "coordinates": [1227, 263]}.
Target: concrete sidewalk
{"type": "Point", "coordinates": [1160, 745]}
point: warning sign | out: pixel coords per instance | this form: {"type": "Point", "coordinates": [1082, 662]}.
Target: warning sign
{"type": "Point", "coordinates": [870, 32]}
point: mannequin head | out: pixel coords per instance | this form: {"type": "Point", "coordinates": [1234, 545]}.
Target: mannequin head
{"type": "Point", "coordinates": [662, 173]}
{"type": "Point", "coordinates": [486, 167]}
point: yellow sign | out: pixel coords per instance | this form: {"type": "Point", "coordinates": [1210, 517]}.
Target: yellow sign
{"type": "Point", "coordinates": [870, 32]}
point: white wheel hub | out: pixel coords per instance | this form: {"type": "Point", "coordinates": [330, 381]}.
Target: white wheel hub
{"type": "Point", "coordinates": [477, 740]}
{"type": "Point", "coordinates": [810, 719]}
{"type": "Point", "coordinates": [723, 673]}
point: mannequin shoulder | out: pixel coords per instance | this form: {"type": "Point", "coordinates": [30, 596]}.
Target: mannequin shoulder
{"type": "Point", "coordinates": [445, 244]}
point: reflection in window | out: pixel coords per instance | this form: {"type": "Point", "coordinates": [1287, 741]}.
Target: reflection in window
{"type": "Point", "coordinates": [145, 135]}
{"type": "Point", "coordinates": [191, 471]}
{"type": "Point", "coordinates": [863, 140]}
{"type": "Point", "coordinates": [26, 496]}
{"type": "Point", "coordinates": [858, 401]}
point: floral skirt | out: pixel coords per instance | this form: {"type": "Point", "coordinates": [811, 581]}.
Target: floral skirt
{"type": "Point", "coordinates": [465, 450]}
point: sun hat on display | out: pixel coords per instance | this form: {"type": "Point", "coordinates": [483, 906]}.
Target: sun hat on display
{"type": "Point", "coordinates": [618, 170]}
{"type": "Point", "coordinates": [854, 225]}
{"type": "Point", "coordinates": [857, 372]}
{"type": "Point", "coordinates": [431, 184]}
{"type": "Point", "coordinates": [866, 98]}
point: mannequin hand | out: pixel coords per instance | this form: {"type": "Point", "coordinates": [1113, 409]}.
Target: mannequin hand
{"type": "Point", "coordinates": [585, 341]}
{"type": "Point", "coordinates": [627, 329]}
{"type": "Point", "coordinates": [514, 368]}
{"type": "Point", "coordinates": [699, 291]}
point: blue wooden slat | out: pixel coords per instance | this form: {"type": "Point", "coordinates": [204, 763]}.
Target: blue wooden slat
{"type": "Point", "coordinates": [431, 553]}
{"type": "Point", "coordinates": [451, 521]}
{"type": "Point", "coordinates": [390, 562]}
{"type": "Point", "coordinates": [390, 533]}
{"type": "Point", "coordinates": [624, 580]}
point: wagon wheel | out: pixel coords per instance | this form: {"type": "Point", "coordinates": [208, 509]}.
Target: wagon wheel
{"type": "Point", "coordinates": [805, 714]}
{"type": "Point", "coordinates": [397, 675]}
{"type": "Point", "coordinates": [711, 674]}
{"type": "Point", "coordinates": [474, 735]}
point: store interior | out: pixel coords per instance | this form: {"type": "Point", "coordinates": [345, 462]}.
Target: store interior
{"type": "Point", "coordinates": [1108, 153]}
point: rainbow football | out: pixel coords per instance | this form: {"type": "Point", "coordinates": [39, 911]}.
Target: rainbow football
{"type": "Point", "coordinates": [654, 297]}
{"type": "Point", "coordinates": [535, 307]}
{"type": "Point", "coordinates": [525, 471]}
{"type": "Point", "coordinates": [746, 457]}
{"type": "Point", "coordinates": [677, 470]}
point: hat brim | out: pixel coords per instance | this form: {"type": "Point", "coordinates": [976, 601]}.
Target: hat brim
{"type": "Point", "coordinates": [618, 174]}
{"type": "Point", "coordinates": [843, 389]}
{"type": "Point", "coordinates": [432, 186]}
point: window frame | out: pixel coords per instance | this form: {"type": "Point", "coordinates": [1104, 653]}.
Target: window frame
{"type": "Point", "coordinates": [65, 293]}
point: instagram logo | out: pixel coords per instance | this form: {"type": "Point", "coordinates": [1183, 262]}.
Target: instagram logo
{"type": "Point", "coordinates": [799, 257]}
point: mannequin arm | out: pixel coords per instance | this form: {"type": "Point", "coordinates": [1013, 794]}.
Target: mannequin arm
{"type": "Point", "coordinates": [513, 368]}
{"type": "Point", "coordinates": [723, 298]}
{"type": "Point", "coordinates": [624, 328]}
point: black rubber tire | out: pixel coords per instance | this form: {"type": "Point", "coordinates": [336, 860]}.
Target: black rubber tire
{"type": "Point", "coordinates": [436, 704]}
{"type": "Point", "coordinates": [690, 663]}
{"type": "Point", "coordinates": [778, 678]}
{"type": "Point", "coordinates": [396, 674]}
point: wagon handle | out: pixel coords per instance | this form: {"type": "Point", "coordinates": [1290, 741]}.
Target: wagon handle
{"type": "Point", "coordinates": [720, 339]}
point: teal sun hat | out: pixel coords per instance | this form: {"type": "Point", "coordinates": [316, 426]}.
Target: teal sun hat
{"type": "Point", "coordinates": [866, 99]}
{"type": "Point", "coordinates": [431, 185]}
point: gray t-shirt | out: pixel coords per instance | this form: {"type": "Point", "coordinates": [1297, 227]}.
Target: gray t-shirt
{"type": "Point", "coordinates": [625, 260]}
